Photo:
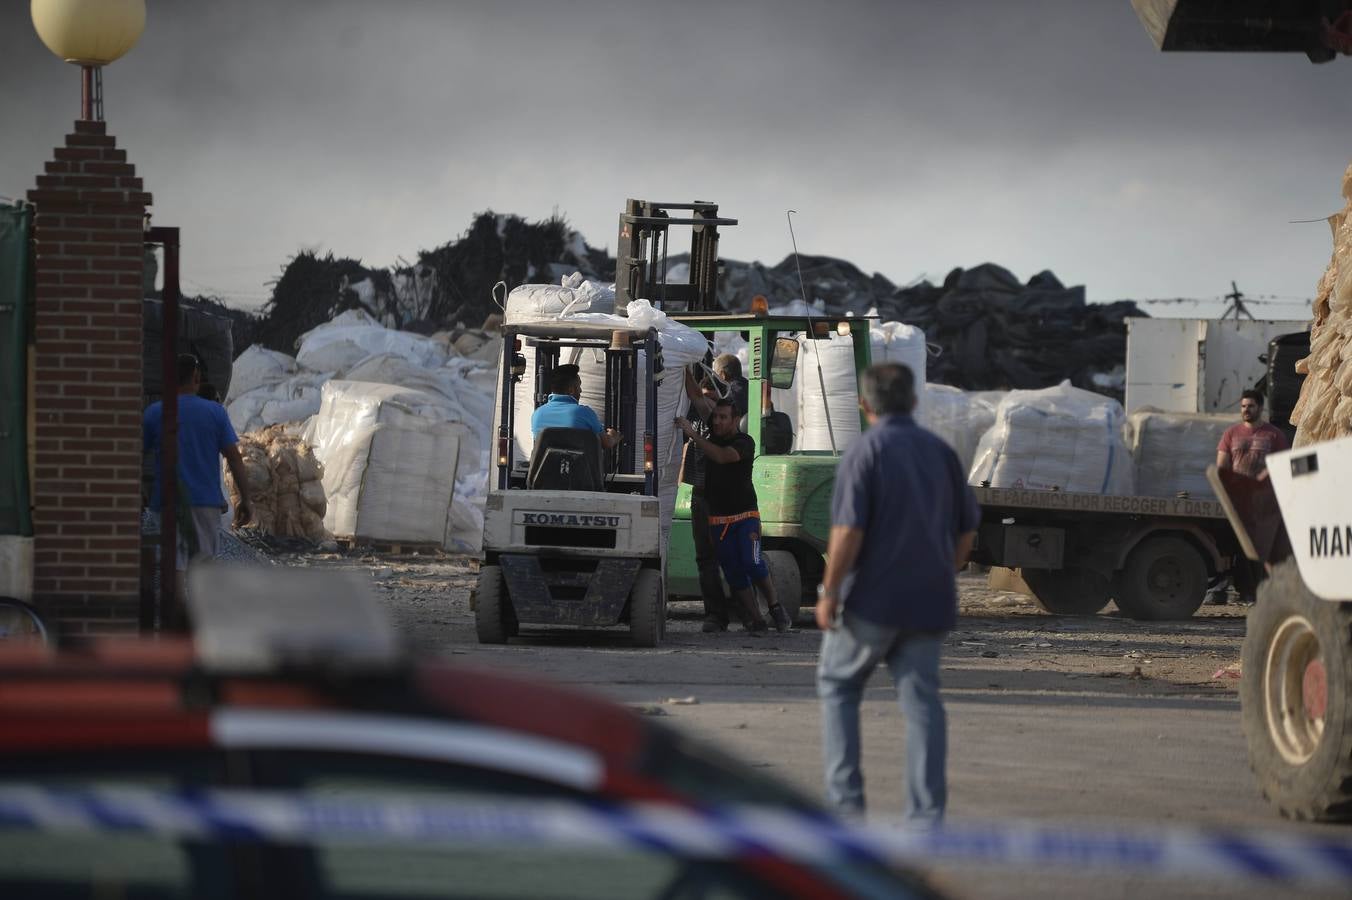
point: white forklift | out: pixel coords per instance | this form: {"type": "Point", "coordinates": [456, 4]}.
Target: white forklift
{"type": "Point", "coordinates": [574, 537]}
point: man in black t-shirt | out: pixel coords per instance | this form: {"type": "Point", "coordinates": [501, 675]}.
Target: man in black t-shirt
{"type": "Point", "coordinates": [734, 517]}
{"type": "Point", "coordinates": [702, 396]}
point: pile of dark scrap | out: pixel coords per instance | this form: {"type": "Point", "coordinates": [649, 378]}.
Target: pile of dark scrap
{"type": "Point", "coordinates": [449, 286]}
{"type": "Point", "coordinates": [998, 333]}
{"type": "Point", "coordinates": [993, 331]}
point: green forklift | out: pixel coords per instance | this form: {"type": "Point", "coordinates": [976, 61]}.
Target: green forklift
{"type": "Point", "coordinates": [793, 486]}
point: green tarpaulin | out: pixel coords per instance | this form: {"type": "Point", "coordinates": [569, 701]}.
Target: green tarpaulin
{"type": "Point", "coordinates": [15, 223]}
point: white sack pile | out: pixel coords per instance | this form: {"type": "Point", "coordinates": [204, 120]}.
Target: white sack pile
{"type": "Point", "coordinates": [1324, 410]}
{"type": "Point", "coordinates": [1060, 438]}
{"type": "Point", "coordinates": [391, 459]}
{"type": "Point", "coordinates": [283, 481]}
{"type": "Point", "coordinates": [1171, 451]}
{"type": "Point", "coordinates": [959, 417]}
{"type": "Point", "coordinates": [454, 373]}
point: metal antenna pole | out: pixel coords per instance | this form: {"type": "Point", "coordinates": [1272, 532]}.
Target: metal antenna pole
{"type": "Point", "coordinates": [1236, 298]}
{"type": "Point", "coordinates": [802, 288]}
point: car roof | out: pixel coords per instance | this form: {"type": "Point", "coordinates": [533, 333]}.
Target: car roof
{"type": "Point", "coordinates": [122, 682]}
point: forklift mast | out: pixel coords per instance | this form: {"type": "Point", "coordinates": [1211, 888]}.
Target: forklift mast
{"type": "Point", "coordinates": [641, 265]}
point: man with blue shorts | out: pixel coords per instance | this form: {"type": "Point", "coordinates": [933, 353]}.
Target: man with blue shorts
{"type": "Point", "coordinates": [564, 411]}
{"type": "Point", "coordinates": [734, 516]}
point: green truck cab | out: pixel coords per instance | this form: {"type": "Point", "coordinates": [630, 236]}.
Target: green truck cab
{"type": "Point", "coordinates": [793, 488]}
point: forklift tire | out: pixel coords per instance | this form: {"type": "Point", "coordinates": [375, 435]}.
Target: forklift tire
{"type": "Point", "coordinates": [784, 575]}
{"type": "Point", "coordinates": [1296, 698]}
{"type": "Point", "coordinates": [1068, 592]}
{"type": "Point", "coordinates": [647, 609]}
{"type": "Point", "coordinates": [492, 611]}
{"type": "Point", "coordinates": [1165, 578]}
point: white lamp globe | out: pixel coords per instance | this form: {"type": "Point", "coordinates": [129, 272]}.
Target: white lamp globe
{"type": "Point", "coordinates": [89, 32]}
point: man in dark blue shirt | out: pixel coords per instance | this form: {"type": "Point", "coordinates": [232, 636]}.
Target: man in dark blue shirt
{"type": "Point", "coordinates": [903, 522]}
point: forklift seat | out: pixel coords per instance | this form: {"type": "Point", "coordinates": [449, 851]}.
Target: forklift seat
{"type": "Point", "coordinates": [566, 459]}
{"type": "Point", "coordinates": [776, 433]}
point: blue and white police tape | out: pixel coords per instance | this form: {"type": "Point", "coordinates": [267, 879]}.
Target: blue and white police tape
{"type": "Point", "coordinates": [738, 832]}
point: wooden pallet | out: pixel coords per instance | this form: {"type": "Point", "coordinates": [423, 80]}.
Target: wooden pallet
{"type": "Point", "coordinates": [389, 548]}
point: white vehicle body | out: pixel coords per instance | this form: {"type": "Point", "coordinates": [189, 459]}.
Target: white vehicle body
{"type": "Point", "coordinates": [1197, 365]}
{"type": "Point", "coordinates": [1314, 489]}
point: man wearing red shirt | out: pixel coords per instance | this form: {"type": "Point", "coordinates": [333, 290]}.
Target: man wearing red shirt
{"type": "Point", "coordinates": [1244, 448]}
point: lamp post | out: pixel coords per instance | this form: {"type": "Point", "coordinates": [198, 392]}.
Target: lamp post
{"type": "Point", "coordinates": [89, 34]}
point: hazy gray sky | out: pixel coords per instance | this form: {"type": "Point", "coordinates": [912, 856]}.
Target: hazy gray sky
{"type": "Point", "coordinates": [910, 136]}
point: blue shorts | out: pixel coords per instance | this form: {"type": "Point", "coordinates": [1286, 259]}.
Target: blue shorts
{"type": "Point", "coordinates": [737, 543]}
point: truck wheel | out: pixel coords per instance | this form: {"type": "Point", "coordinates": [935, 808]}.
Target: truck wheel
{"type": "Point", "coordinates": [493, 618]}
{"type": "Point", "coordinates": [647, 609]}
{"type": "Point", "coordinates": [1165, 578]}
{"type": "Point", "coordinates": [1068, 592]}
{"type": "Point", "coordinates": [787, 581]}
{"type": "Point", "coordinates": [1296, 697]}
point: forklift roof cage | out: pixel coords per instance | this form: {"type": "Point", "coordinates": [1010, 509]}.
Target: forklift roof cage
{"type": "Point", "coordinates": [624, 377]}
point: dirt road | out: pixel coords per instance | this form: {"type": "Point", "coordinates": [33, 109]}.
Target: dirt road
{"type": "Point", "coordinates": [1089, 720]}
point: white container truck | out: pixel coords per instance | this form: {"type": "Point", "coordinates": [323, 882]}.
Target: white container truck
{"type": "Point", "coordinates": [1198, 365]}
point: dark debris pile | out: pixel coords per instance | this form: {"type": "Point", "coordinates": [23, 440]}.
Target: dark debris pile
{"type": "Point", "coordinates": [994, 331]}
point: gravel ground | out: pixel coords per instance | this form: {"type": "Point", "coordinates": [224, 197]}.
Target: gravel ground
{"type": "Point", "coordinates": [998, 631]}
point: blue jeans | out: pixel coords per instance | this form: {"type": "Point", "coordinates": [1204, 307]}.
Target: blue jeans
{"type": "Point", "coordinates": [849, 654]}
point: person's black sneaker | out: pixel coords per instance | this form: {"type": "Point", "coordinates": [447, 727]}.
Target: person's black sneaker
{"type": "Point", "coordinates": [713, 625]}
{"type": "Point", "coordinates": [781, 618]}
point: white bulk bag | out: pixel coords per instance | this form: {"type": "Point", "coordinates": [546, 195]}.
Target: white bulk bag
{"type": "Point", "coordinates": [1057, 438]}
{"type": "Point", "coordinates": [547, 302]}
{"type": "Point", "coordinates": [338, 345]}
{"type": "Point", "coordinates": [957, 416]}
{"type": "Point", "coordinates": [828, 363]}
{"type": "Point", "coordinates": [1171, 451]}
{"type": "Point", "coordinates": [390, 462]}
{"type": "Point", "coordinates": [258, 367]}
{"type": "Point", "coordinates": [293, 399]}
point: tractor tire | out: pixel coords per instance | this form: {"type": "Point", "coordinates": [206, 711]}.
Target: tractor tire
{"type": "Point", "coordinates": [1296, 698]}
{"type": "Point", "coordinates": [788, 583]}
{"type": "Point", "coordinates": [493, 618]}
{"type": "Point", "coordinates": [1165, 578]}
{"type": "Point", "coordinates": [1068, 592]}
{"type": "Point", "coordinates": [647, 609]}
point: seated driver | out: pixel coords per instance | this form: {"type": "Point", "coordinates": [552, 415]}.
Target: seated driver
{"type": "Point", "coordinates": [564, 411]}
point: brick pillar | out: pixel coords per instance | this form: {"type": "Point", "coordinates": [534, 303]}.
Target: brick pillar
{"type": "Point", "coordinates": [89, 234]}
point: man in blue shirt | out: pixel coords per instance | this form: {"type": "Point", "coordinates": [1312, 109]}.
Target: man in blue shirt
{"type": "Point", "coordinates": [903, 522]}
{"type": "Point", "coordinates": [563, 411]}
{"type": "Point", "coordinates": [204, 436]}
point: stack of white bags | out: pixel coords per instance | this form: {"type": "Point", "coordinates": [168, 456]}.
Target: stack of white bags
{"type": "Point", "coordinates": [400, 422]}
